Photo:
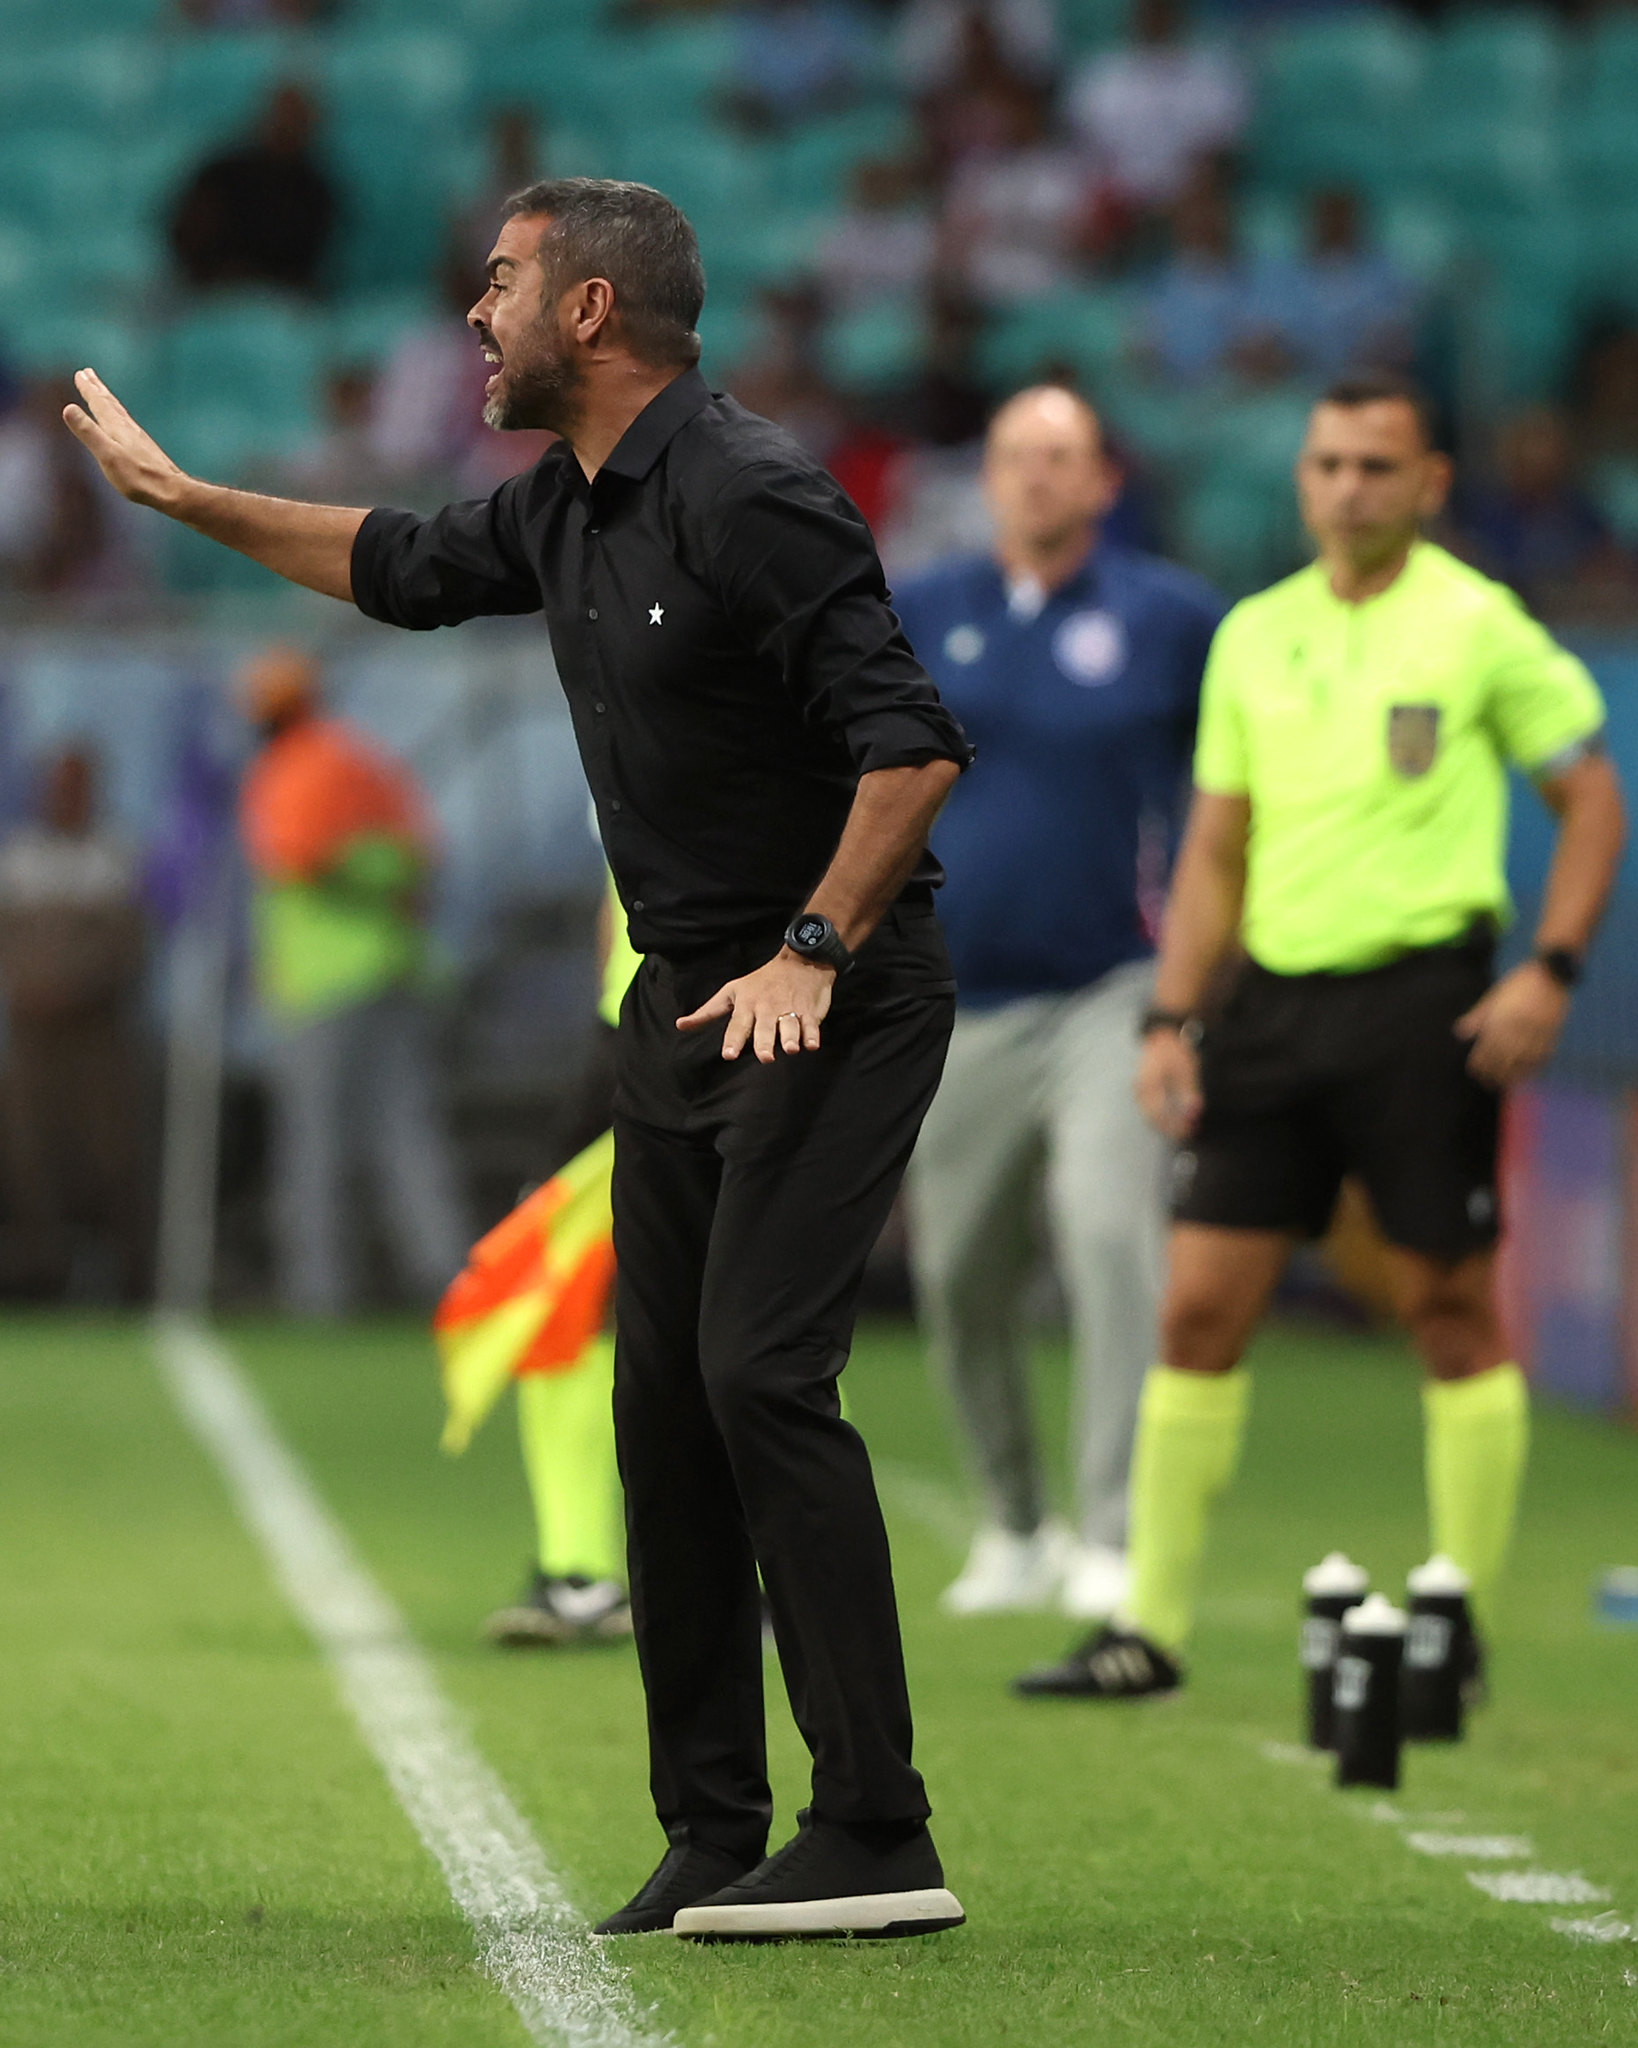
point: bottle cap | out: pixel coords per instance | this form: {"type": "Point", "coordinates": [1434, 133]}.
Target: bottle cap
{"type": "Point", "coordinates": [1440, 1577]}
{"type": "Point", "coordinates": [1337, 1574]}
{"type": "Point", "coordinates": [1376, 1616]}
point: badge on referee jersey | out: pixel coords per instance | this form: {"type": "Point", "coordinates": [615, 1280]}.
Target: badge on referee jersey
{"type": "Point", "coordinates": [1413, 737]}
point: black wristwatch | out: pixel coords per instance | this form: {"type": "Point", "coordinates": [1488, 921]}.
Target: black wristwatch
{"type": "Point", "coordinates": [1180, 1021]}
{"type": "Point", "coordinates": [812, 937]}
{"type": "Point", "coordinates": [1563, 965]}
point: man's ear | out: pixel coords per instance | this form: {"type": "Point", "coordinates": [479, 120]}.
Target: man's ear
{"type": "Point", "coordinates": [592, 314]}
{"type": "Point", "coordinates": [1441, 473]}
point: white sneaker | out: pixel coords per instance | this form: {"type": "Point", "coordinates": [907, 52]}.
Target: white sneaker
{"type": "Point", "coordinates": [1010, 1574]}
{"type": "Point", "coordinates": [1095, 1581]}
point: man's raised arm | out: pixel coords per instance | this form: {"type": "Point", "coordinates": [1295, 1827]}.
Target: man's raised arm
{"type": "Point", "coordinates": [307, 544]}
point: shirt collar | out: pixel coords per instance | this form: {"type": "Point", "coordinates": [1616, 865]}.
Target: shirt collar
{"type": "Point", "coordinates": [646, 439]}
{"type": "Point", "coordinates": [1083, 583]}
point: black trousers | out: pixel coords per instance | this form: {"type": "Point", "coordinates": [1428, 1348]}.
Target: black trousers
{"type": "Point", "coordinates": [746, 1201]}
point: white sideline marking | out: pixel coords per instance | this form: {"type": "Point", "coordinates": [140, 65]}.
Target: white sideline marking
{"type": "Point", "coordinates": [1539, 1887]}
{"type": "Point", "coordinates": [531, 1941]}
{"type": "Point", "coordinates": [1483, 1848]}
{"type": "Point", "coordinates": [1607, 1927]}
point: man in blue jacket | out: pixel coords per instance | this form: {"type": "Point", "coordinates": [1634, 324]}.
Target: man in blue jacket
{"type": "Point", "coordinates": [1074, 665]}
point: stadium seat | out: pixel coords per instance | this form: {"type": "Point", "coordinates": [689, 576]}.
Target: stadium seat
{"type": "Point", "coordinates": [810, 166]}
{"type": "Point", "coordinates": [1087, 26]}
{"type": "Point", "coordinates": [711, 175]}
{"type": "Point", "coordinates": [1488, 163]}
{"type": "Point", "coordinates": [241, 373]}
{"type": "Point", "coordinates": [214, 85]}
{"type": "Point", "coordinates": [51, 183]}
{"type": "Point", "coordinates": [415, 76]}
{"type": "Point", "coordinates": [874, 347]}
{"type": "Point", "coordinates": [365, 328]}
{"type": "Point", "coordinates": [1088, 329]}
{"type": "Point", "coordinates": [101, 83]}
{"type": "Point", "coordinates": [1336, 99]}
{"type": "Point", "coordinates": [1506, 64]}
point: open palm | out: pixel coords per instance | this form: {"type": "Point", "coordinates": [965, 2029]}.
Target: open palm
{"type": "Point", "coordinates": [132, 460]}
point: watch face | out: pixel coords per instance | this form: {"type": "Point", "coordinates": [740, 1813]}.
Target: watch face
{"type": "Point", "coordinates": [810, 932]}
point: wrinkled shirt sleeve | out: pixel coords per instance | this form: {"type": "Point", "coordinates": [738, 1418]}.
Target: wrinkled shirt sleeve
{"type": "Point", "coordinates": [798, 574]}
{"type": "Point", "coordinates": [465, 562]}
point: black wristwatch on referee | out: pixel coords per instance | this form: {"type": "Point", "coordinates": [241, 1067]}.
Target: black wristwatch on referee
{"type": "Point", "coordinates": [1563, 965]}
{"type": "Point", "coordinates": [813, 937]}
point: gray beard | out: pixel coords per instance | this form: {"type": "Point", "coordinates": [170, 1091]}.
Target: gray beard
{"type": "Point", "coordinates": [543, 393]}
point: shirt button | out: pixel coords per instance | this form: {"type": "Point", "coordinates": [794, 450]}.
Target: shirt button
{"type": "Point", "coordinates": [600, 709]}
{"type": "Point", "coordinates": [594, 529]}
{"type": "Point", "coordinates": [614, 804]}
{"type": "Point", "coordinates": [637, 903]}
{"type": "Point", "coordinates": [592, 613]}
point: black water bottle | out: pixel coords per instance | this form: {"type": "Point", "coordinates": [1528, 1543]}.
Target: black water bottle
{"type": "Point", "coordinates": [1438, 1652]}
{"type": "Point", "coordinates": [1334, 1585]}
{"type": "Point", "coordinates": [1365, 1696]}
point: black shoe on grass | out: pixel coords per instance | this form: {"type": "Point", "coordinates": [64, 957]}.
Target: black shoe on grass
{"type": "Point", "coordinates": [831, 1882]}
{"type": "Point", "coordinates": [557, 1611]}
{"type": "Point", "coordinates": [688, 1872]}
{"type": "Point", "coordinates": [1112, 1664]}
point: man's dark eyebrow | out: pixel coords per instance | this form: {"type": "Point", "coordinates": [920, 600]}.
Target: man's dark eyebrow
{"type": "Point", "coordinates": [495, 263]}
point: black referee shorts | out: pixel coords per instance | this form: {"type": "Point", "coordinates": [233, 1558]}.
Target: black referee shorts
{"type": "Point", "coordinates": [1311, 1077]}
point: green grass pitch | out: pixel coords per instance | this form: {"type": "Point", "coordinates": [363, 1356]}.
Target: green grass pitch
{"type": "Point", "coordinates": [196, 1851]}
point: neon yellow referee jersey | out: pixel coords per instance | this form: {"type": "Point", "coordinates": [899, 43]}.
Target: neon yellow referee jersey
{"type": "Point", "coordinates": [1373, 741]}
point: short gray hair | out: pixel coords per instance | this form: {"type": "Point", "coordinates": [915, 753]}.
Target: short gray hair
{"type": "Point", "coordinates": [637, 239]}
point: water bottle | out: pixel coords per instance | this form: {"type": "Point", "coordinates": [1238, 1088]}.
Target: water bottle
{"type": "Point", "coordinates": [1330, 1589]}
{"type": "Point", "coordinates": [1438, 1652]}
{"type": "Point", "coordinates": [1365, 1696]}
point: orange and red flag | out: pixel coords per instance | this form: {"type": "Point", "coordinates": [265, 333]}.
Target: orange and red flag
{"type": "Point", "coordinates": [533, 1294]}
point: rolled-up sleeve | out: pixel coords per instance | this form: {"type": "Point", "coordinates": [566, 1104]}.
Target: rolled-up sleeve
{"type": "Point", "coordinates": [798, 573]}
{"type": "Point", "coordinates": [465, 562]}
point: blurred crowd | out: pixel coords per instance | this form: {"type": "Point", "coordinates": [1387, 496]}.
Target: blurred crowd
{"type": "Point", "coordinates": [1028, 177]}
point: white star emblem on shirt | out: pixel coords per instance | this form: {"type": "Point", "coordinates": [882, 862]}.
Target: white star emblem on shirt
{"type": "Point", "coordinates": [656, 614]}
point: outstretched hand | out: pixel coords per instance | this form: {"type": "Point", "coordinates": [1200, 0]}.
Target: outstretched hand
{"type": "Point", "coordinates": [132, 460]}
{"type": "Point", "coordinates": [780, 1006]}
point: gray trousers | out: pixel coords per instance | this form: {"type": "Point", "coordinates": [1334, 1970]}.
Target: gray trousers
{"type": "Point", "coordinates": [1037, 1103]}
{"type": "Point", "coordinates": [357, 1088]}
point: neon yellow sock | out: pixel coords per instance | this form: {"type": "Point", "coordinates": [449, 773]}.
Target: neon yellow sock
{"type": "Point", "coordinates": [1478, 1435]}
{"type": "Point", "coordinates": [1188, 1443]}
{"type": "Point", "coordinates": [566, 1423]}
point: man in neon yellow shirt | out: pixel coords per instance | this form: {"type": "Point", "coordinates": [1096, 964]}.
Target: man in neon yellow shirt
{"type": "Point", "coordinates": [577, 1585]}
{"type": "Point", "coordinates": [1348, 830]}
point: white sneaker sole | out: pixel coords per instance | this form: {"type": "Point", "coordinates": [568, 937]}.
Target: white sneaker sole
{"type": "Point", "coordinates": [877, 1916]}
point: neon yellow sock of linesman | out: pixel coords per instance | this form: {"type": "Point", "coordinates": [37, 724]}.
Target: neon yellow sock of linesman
{"type": "Point", "coordinates": [1190, 1426]}
{"type": "Point", "coordinates": [566, 1423]}
{"type": "Point", "coordinates": [1477, 1439]}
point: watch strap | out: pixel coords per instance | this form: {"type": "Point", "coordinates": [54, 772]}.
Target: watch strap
{"type": "Point", "coordinates": [1563, 965]}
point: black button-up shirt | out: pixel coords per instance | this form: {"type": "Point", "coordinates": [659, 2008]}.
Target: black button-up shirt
{"type": "Point", "coordinates": [724, 638]}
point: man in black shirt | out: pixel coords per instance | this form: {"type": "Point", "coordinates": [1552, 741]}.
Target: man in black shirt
{"type": "Point", "coordinates": [766, 758]}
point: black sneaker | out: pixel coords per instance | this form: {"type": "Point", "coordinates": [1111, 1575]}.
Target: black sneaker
{"type": "Point", "coordinates": [567, 1610]}
{"type": "Point", "coordinates": [688, 1872]}
{"type": "Point", "coordinates": [1112, 1664]}
{"type": "Point", "coordinates": [829, 1883]}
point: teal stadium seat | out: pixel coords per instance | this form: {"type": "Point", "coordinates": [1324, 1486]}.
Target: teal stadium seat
{"type": "Point", "coordinates": [1336, 101]}
{"type": "Point", "coordinates": [874, 347]}
{"type": "Point", "coordinates": [1088, 329]}
{"type": "Point", "coordinates": [1087, 26]}
{"type": "Point", "coordinates": [239, 377]}
{"type": "Point", "coordinates": [1506, 64]}
{"type": "Point", "coordinates": [716, 178]}
{"type": "Point", "coordinates": [54, 182]}
{"type": "Point", "coordinates": [213, 85]}
{"type": "Point", "coordinates": [811, 165]}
